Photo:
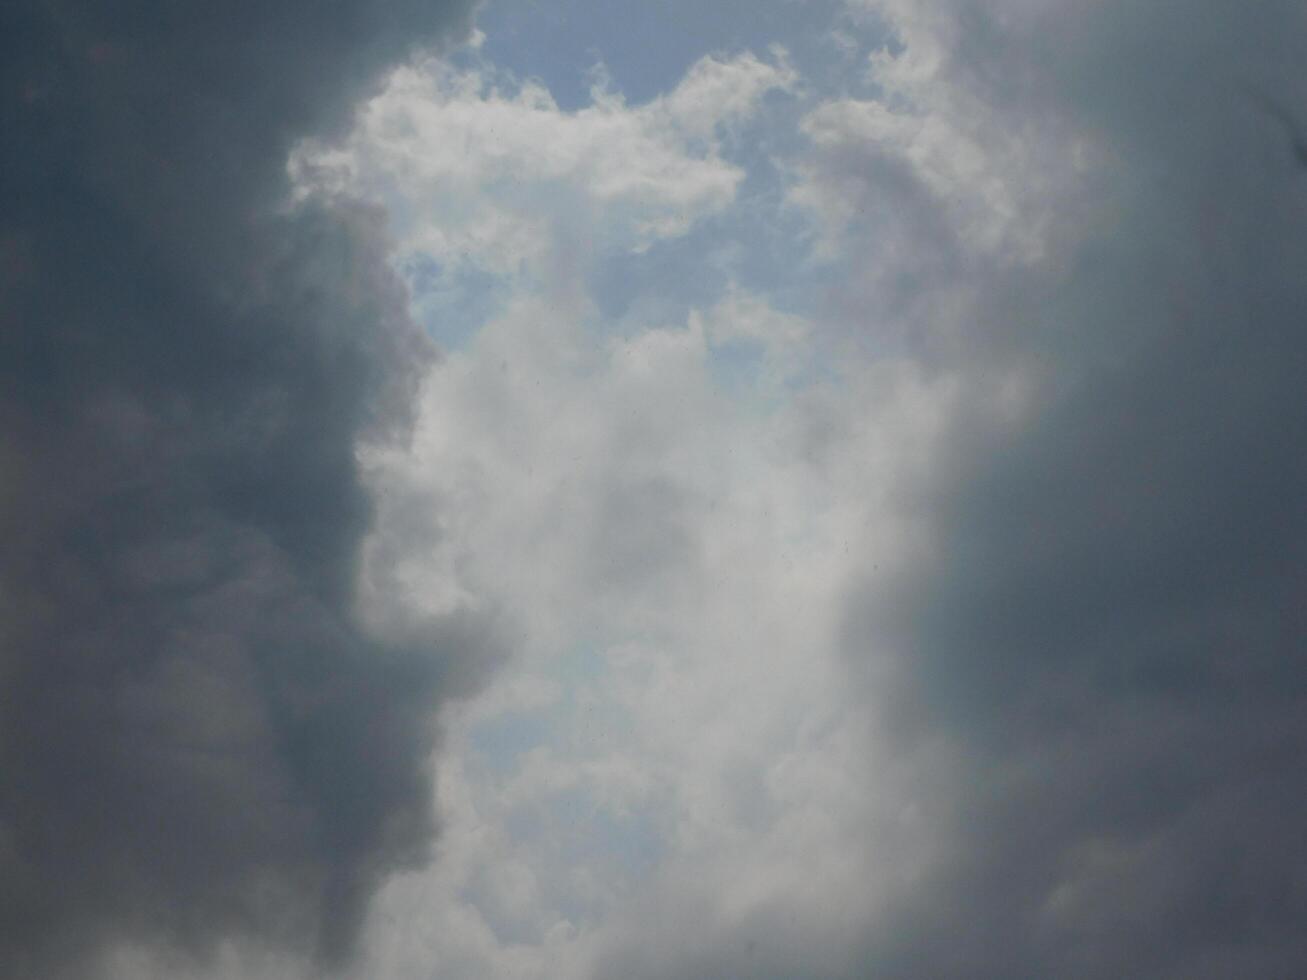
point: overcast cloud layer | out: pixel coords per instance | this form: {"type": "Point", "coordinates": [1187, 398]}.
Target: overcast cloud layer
{"type": "Point", "coordinates": [871, 455]}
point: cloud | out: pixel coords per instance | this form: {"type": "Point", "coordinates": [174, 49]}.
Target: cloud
{"type": "Point", "coordinates": [1103, 621]}
{"type": "Point", "coordinates": [930, 613]}
{"type": "Point", "coordinates": [201, 742]}
{"type": "Point", "coordinates": [671, 759]}
{"type": "Point", "coordinates": [974, 654]}
{"type": "Point", "coordinates": [493, 174]}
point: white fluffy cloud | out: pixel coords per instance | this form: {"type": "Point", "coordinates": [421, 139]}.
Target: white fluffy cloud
{"type": "Point", "coordinates": [666, 516]}
{"type": "Point", "coordinates": [672, 734]}
{"type": "Point", "coordinates": [487, 171]}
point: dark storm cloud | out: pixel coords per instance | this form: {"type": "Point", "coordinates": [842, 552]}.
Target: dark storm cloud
{"type": "Point", "coordinates": [196, 739]}
{"type": "Point", "coordinates": [1112, 626]}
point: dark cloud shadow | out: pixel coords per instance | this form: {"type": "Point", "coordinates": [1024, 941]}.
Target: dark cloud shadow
{"type": "Point", "coordinates": [198, 740]}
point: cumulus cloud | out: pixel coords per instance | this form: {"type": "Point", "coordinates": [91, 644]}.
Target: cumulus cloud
{"type": "Point", "coordinates": [201, 743]}
{"type": "Point", "coordinates": [961, 640]}
{"type": "Point", "coordinates": [670, 756]}
{"type": "Point", "coordinates": [491, 171]}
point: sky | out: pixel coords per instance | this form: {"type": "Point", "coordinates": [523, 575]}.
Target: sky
{"type": "Point", "coordinates": [580, 490]}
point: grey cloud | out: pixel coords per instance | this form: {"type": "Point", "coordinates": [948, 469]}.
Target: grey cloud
{"type": "Point", "coordinates": [1111, 628]}
{"type": "Point", "coordinates": [642, 534]}
{"type": "Point", "coordinates": [1097, 679]}
{"type": "Point", "coordinates": [198, 740]}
